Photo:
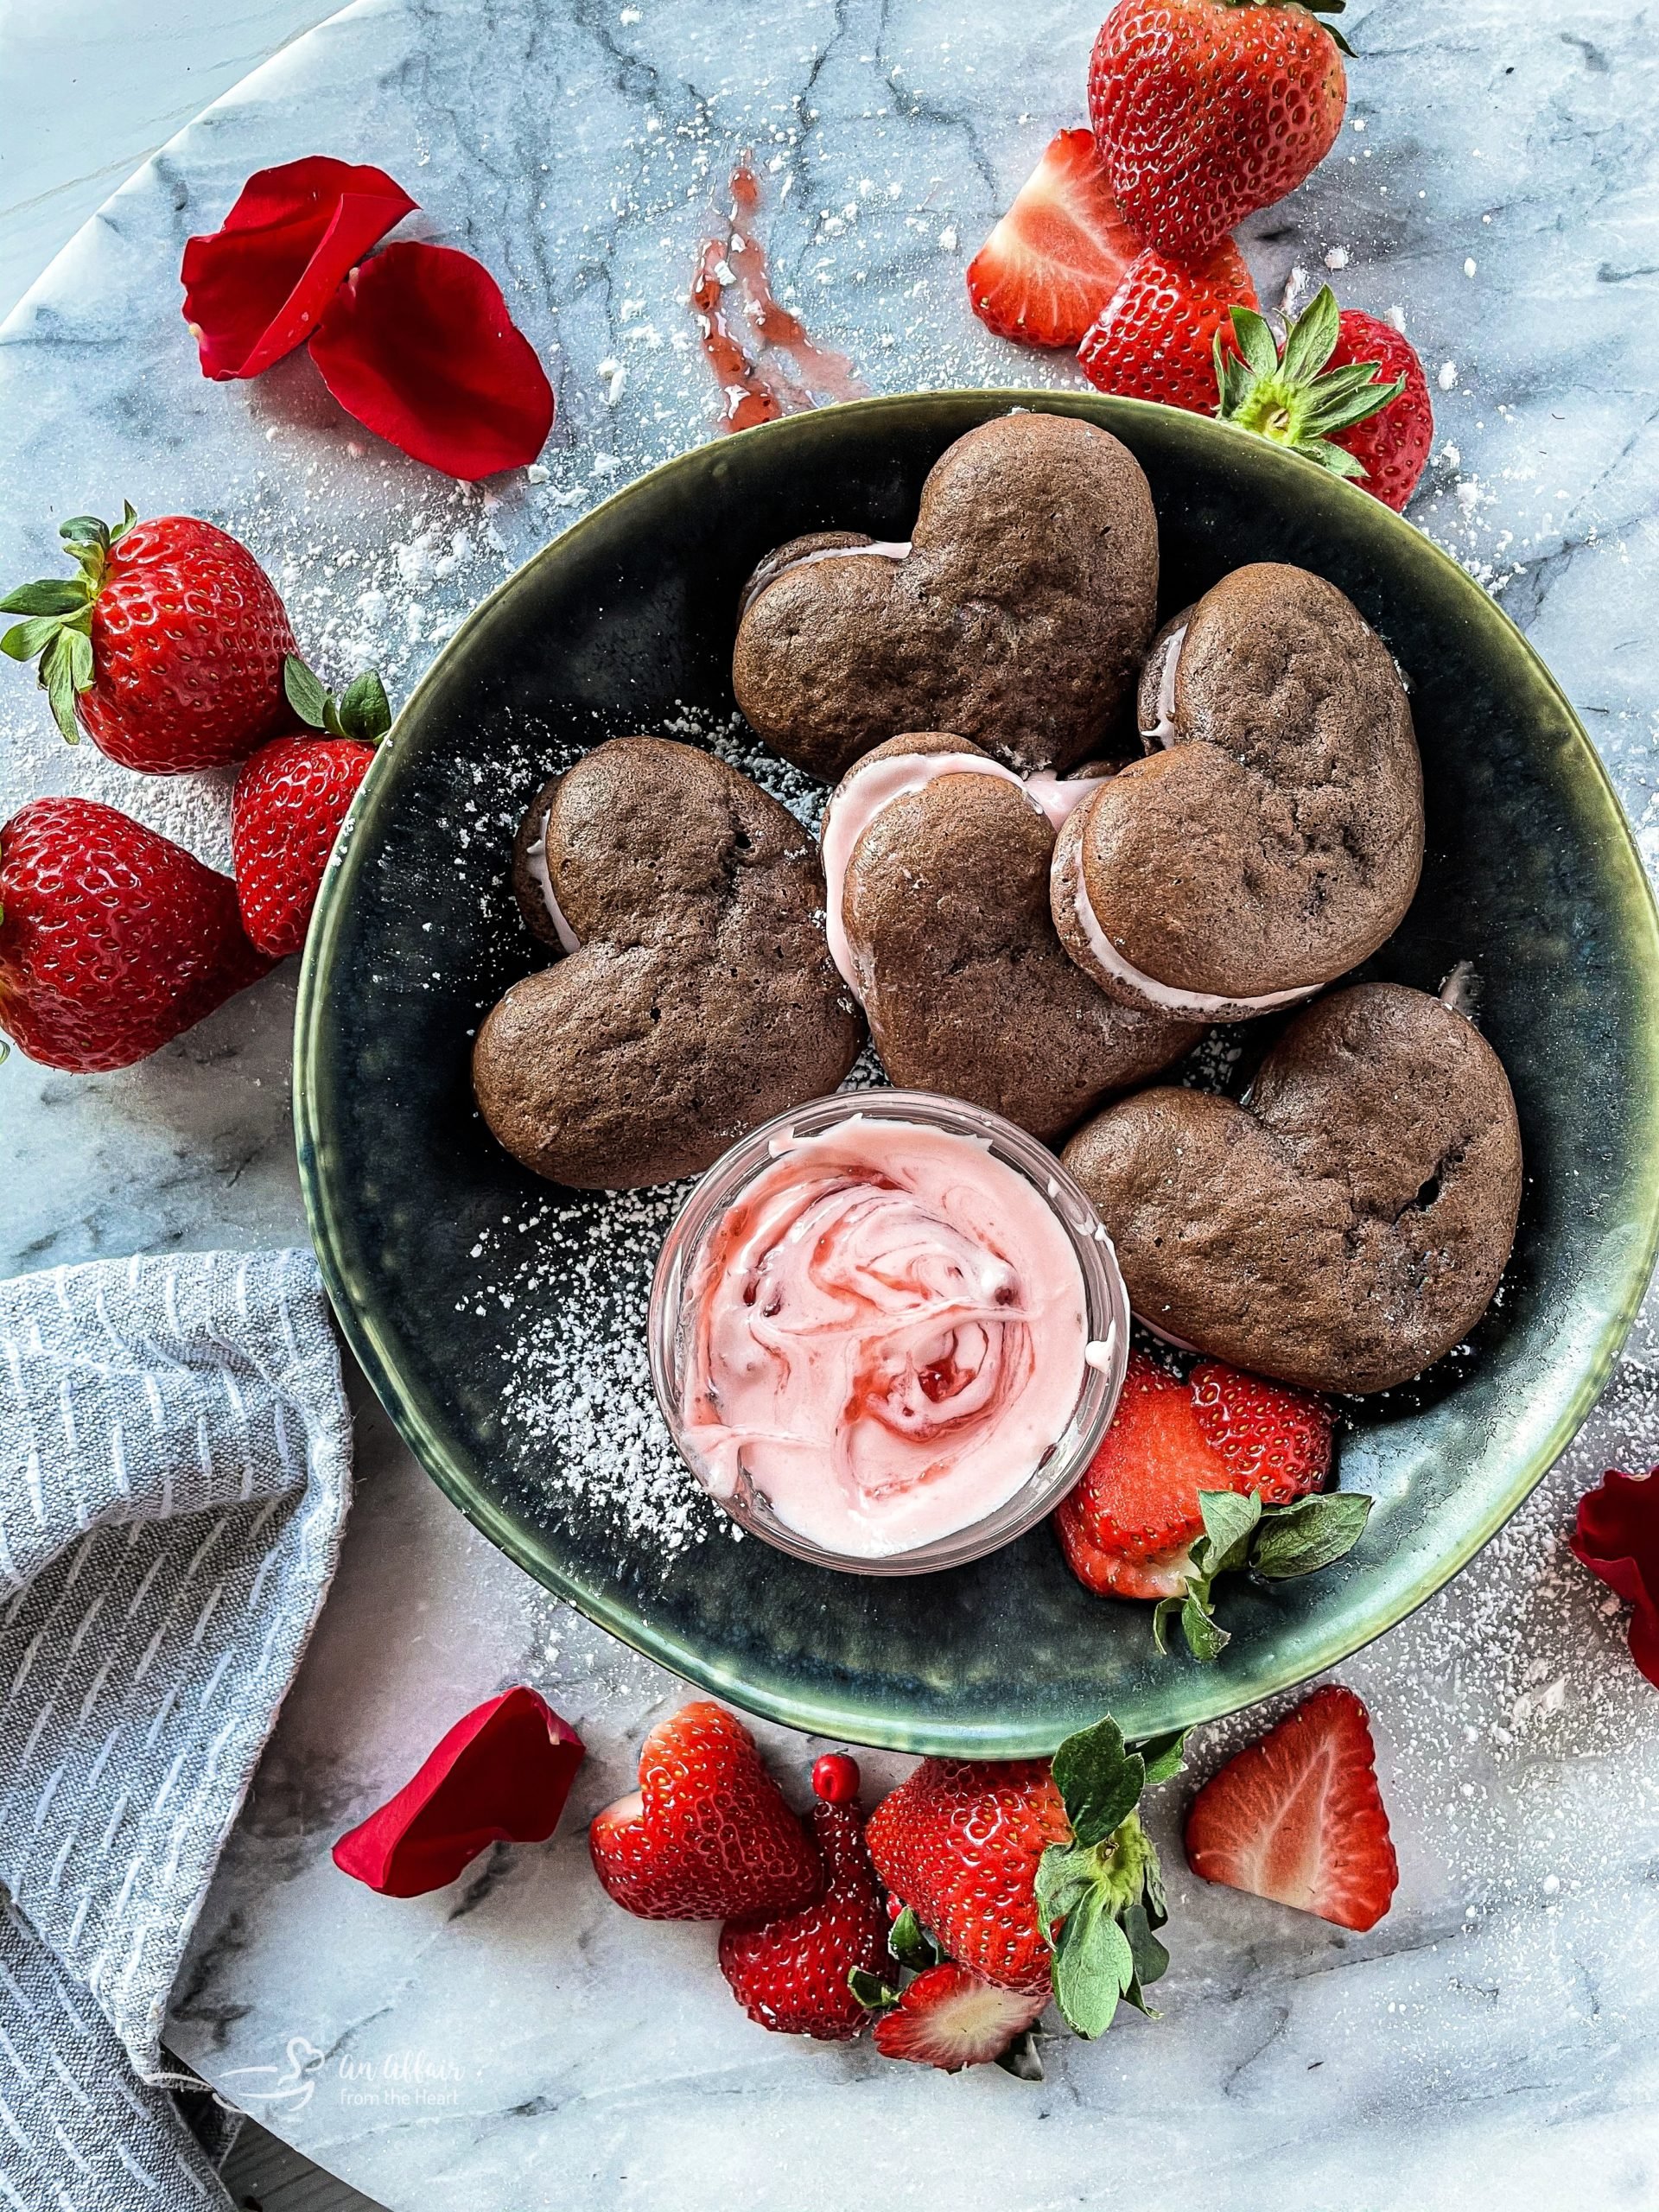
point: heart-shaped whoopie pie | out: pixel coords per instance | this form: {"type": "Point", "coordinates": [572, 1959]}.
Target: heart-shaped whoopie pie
{"type": "Point", "coordinates": [1017, 614]}
{"type": "Point", "coordinates": [1274, 838]}
{"type": "Point", "coordinates": [699, 998]}
{"type": "Point", "coordinates": [937, 863]}
{"type": "Point", "coordinates": [1343, 1227]}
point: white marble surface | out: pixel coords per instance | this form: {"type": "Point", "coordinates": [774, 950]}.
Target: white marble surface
{"type": "Point", "coordinates": [514, 2042]}
{"type": "Point", "coordinates": [92, 87]}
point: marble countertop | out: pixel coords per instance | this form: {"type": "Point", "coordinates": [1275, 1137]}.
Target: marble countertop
{"type": "Point", "coordinates": [514, 2041]}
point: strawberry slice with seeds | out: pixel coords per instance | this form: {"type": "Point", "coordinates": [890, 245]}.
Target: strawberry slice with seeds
{"type": "Point", "coordinates": [1058, 254]}
{"type": "Point", "coordinates": [950, 2019]}
{"type": "Point", "coordinates": [1298, 1817]}
{"type": "Point", "coordinates": [1270, 1437]}
{"type": "Point", "coordinates": [1128, 1526]}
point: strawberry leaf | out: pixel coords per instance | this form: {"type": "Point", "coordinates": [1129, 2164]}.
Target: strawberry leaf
{"type": "Point", "coordinates": [1163, 1755]}
{"type": "Point", "coordinates": [1160, 1617]}
{"type": "Point", "coordinates": [1333, 458]}
{"type": "Point", "coordinates": [910, 1942]}
{"type": "Point", "coordinates": [1064, 1873]}
{"type": "Point", "coordinates": [1205, 1637]}
{"type": "Point", "coordinates": [1099, 1779]}
{"type": "Point", "coordinates": [1310, 338]}
{"type": "Point", "coordinates": [1254, 341]}
{"type": "Point", "coordinates": [51, 595]}
{"type": "Point", "coordinates": [87, 530]}
{"type": "Point", "coordinates": [1300, 1538]}
{"type": "Point", "coordinates": [1230, 1521]}
{"type": "Point", "coordinates": [25, 640]}
{"type": "Point", "coordinates": [365, 713]}
{"type": "Point", "coordinates": [872, 1992]}
{"type": "Point", "coordinates": [58, 675]}
{"type": "Point", "coordinates": [1151, 1959]}
{"type": "Point", "coordinates": [304, 692]}
{"type": "Point", "coordinates": [1093, 1966]}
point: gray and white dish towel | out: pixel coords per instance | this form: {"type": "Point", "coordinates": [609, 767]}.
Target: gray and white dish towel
{"type": "Point", "coordinates": [174, 1472]}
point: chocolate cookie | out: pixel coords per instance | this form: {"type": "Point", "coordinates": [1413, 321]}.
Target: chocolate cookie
{"type": "Point", "coordinates": [700, 999]}
{"type": "Point", "coordinates": [1017, 614]}
{"type": "Point", "coordinates": [1345, 1226]}
{"type": "Point", "coordinates": [941, 922]}
{"type": "Point", "coordinates": [1274, 839]}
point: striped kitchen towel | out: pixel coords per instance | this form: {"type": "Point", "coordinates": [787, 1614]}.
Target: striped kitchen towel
{"type": "Point", "coordinates": [174, 1470]}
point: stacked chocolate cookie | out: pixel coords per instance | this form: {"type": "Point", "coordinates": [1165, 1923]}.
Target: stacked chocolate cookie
{"type": "Point", "coordinates": [1037, 936]}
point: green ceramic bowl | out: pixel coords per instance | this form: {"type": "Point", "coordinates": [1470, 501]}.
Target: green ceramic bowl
{"type": "Point", "coordinates": [626, 624]}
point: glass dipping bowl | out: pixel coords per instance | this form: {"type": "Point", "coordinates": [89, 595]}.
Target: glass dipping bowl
{"type": "Point", "coordinates": [1106, 1309]}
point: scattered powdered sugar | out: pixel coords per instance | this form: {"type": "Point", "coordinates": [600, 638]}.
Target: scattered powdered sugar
{"type": "Point", "coordinates": [574, 1275]}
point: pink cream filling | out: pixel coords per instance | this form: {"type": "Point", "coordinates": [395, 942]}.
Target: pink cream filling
{"type": "Point", "coordinates": [1201, 1006]}
{"type": "Point", "coordinates": [536, 861]}
{"type": "Point", "coordinates": [1164, 728]}
{"type": "Point", "coordinates": [890, 1336]}
{"type": "Point", "coordinates": [870, 789]}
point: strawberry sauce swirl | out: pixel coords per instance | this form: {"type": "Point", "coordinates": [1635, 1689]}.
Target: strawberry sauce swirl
{"type": "Point", "coordinates": [889, 1334]}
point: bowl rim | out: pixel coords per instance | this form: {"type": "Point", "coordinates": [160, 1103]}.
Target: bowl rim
{"type": "Point", "coordinates": [1198, 1696]}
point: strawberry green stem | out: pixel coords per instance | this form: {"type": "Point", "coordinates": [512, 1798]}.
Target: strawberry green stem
{"type": "Point", "coordinates": [1283, 391]}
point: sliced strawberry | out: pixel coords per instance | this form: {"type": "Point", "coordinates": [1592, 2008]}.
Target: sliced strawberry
{"type": "Point", "coordinates": [950, 2019]}
{"type": "Point", "coordinates": [1272, 1438]}
{"type": "Point", "coordinates": [1129, 1526]}
{"type": "Point", "coordinates": [1057, 255]}
{"type": "Point", "coordinates": [1156, 335]}
{"type": "Point", "coordinates": [708, 1836]}
{"type": "Point", "coordinates": [1298, 1818]}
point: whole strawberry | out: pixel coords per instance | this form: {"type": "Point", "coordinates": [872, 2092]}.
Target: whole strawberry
{"type": "Point", "coordinates": [960, 1841]}
{"type": "Point", "coordinates": [1157, 336]}
{"type": "Point", "coordinates": [291, 799]}
{"type": "Point", "coordinates": [168, 644]}
{"type": "Point", "coordinates": [708, 1836]}
{"type": "Point", "coordinates": [113, 940]}
{"type": "Point", "coordinates": [1029, 1874]}
{"type": "Point", "coordinates": [791, 1974]}
{"type": "Point", "coordinates": [1205, 110]}
{"type": "Point", "coordinates": [1341, 389]}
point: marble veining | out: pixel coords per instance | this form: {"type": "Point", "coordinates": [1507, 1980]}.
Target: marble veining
{"type": "Point", "coordinates": [514, 2041]}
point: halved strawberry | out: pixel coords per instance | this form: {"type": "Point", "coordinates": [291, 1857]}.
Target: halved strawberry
{"type": "Point", "coordinates": [1129, 1526]}
{"type": "Point", "coordinates": [1272, 1438]}
{"type": "Point", "coordinates": [950, 2019]}
{"type": "Point", "coordinates": [1057, 257]}
{"type": "Point", "coordinates": [1298, 1818]}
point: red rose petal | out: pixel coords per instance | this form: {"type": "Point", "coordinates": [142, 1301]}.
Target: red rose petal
{"type": "Point", "coordinates": [1617, 1537]}
{"type": "Point", "coordinates": [501, 1775]}
{"type": "Point", "coordinates": [256, 288]}
{"type": "Point", "coordinates": [418, 345]}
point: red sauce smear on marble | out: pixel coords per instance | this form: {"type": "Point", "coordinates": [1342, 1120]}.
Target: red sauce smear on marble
{"type": "Point", "coordinates": [764, 359]}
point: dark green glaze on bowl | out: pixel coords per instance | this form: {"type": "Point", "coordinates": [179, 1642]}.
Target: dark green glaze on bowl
{"type": "Point", "coordinates": [1531, 873]}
